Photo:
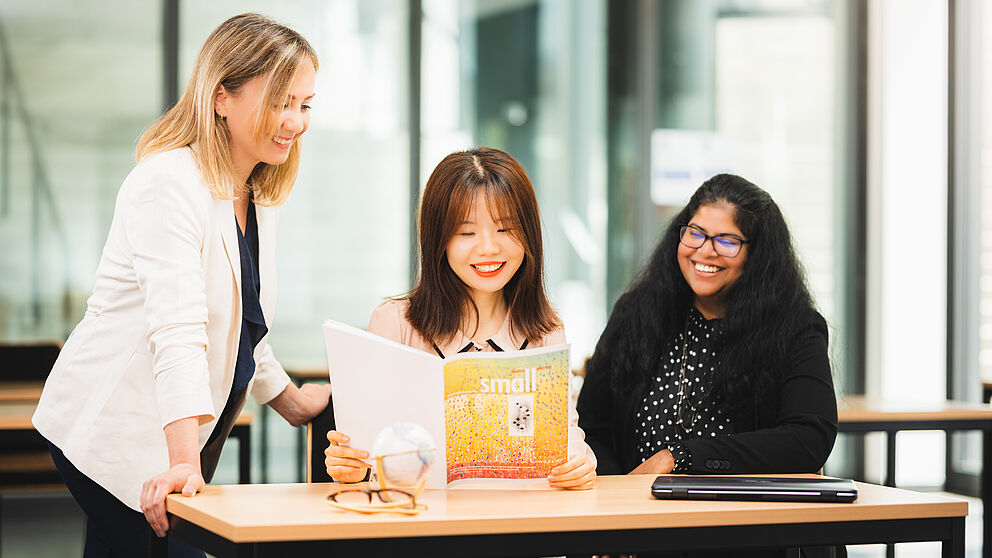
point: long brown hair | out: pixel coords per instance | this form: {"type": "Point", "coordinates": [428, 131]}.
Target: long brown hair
{"type": "Point", "coordinates": [439, 299]}
{"type": "Point", "coordinates": [242, 48]}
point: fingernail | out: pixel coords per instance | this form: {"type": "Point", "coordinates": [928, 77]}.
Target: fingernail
{"type": "Point", "coordinates": [365, 454]}
{"type": "Point", "coordinates": [345, 439]}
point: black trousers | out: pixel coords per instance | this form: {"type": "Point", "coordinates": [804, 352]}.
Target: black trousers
{"type": "Point", "coordinates": [113, 530]}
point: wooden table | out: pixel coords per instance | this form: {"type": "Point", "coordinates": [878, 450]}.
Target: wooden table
{"type": "Point", "coordinates": [18, 401]}
{"type": "Point", "coordinates": [619, 515]}
{"type": "Point", "coordinates": [20, 391]}
{"type": "Point", "coordinates": [858, 414]}
{"type": "Point", "coordinates": [305, 374]}
{"type": "Point", "coordinates": [25, 463]}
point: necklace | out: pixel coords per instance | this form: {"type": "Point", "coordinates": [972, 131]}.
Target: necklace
{"type": "Point", "coordinates": [682, 403]}
{"type": "Point", "coordinates": [680, 400]}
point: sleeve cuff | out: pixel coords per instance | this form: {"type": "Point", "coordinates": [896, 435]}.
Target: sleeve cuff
{"type": "Point", "coordinates": [179, 395]}
{"type": "Point", "coordinates": [270, 378]}
{"type": "Point", "coordinates": [682, 457]}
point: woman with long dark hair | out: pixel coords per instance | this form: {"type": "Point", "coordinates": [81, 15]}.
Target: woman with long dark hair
{"type": "Point", "coordinates": [715, 359]}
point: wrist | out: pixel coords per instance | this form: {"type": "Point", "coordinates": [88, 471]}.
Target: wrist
{"type": "Point", "coordinates": [183, 442]}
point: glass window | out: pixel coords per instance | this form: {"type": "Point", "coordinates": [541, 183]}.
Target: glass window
{"type": "Point", "coordinates": [970, 372]}
{"type": "Point", "coordinates": [78, 84]}
{"type": "Point", "coordinates": [985, 173]}
{"type": "Point", "coordinates": [343, 233]}
{"type": "Point", "coordinates": [776, 108]}
{"type": "Point", "coordinates": [528, 77]}
{"type": "Point", "coordinates": [775, 113]}
{"type": "Point", "coordinates": [724, 96]}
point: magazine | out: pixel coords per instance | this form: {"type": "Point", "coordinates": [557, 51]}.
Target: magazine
{"type": "Point", "coordinates": [501, 417]}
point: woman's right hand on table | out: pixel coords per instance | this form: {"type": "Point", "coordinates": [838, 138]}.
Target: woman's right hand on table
{"type": "Point", "coordinates": [344, 464]}
{"type": "Point", "coordinates": [182, 477]}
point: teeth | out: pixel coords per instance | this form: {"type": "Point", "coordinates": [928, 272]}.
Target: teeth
{"type": "Point", "coordinates": [707, 268]}
{"type": "Point", "coordinates": [281, 141]}
{"type": "Point", "coordinates": [488, 267]}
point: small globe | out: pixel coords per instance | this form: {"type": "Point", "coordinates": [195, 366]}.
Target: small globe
{"type": "Point", "coordinates": [405, 451]}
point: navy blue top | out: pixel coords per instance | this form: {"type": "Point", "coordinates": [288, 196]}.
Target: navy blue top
{"type": "Point", "coordinates": [253, 328]}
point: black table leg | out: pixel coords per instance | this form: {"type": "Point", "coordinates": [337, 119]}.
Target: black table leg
{"type": "Point", "coordinates": [890, 458]}
{"type": "Point", "coordinates": [242, 432]}
{"type": "Point", "coordinates": [890, 477]}
{"type": "Point", "coordinates": [244, 458]}
{"type": "Point", "coordinates": [263, 425]}
{"type": "Point", "coordinates": [301, 450]}
{"type": "Point", "coordinates": [954, 547]}
{"type": "Point", "coordinates": [986, 481]}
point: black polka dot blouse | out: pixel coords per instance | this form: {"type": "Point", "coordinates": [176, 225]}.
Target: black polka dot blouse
{"type": "Point", "coordinates": [666, 417]}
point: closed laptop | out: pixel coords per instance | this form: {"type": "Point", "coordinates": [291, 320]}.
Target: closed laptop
{"type": "Point", "coordinates": [781, 489]}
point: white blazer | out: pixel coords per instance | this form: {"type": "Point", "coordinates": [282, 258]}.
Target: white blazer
{"type": "Point", "coordinates": [159, 339]}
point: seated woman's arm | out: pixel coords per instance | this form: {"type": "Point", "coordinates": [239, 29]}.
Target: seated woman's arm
{"type": "Point", "coordinates": [595, 410]}
{"type": "Point", "coordinates": [805, 425]}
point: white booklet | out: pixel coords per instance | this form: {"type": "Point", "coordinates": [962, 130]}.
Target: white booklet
{"type": "Point", "coordinates": [493, 415]}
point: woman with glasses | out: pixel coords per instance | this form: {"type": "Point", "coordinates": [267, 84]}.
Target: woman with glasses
{"type": "Point", "coordinates": [715, 359]}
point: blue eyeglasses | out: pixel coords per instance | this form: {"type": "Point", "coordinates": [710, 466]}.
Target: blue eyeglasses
{"type": "Point", "coordinates": [726, 245]}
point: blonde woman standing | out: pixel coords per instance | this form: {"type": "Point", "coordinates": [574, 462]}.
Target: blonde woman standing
{"type": "Point", "coordinates": [148, 385]}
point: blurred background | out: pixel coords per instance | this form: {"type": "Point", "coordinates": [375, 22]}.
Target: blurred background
{"type": "Point", "coordinates": [867, 121]}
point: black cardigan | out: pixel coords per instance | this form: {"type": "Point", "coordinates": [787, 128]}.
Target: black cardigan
{"type": "Point", "coordinates": [793, 434]}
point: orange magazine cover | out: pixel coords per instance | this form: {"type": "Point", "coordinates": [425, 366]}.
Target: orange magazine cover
{"type": "Point", "coordinates": [507, 417]}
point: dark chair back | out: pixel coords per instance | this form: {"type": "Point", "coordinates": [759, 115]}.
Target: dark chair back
{"type": "Point", "coordinates": [28, 361]}
{"type": "Point", "coordinates": [317, 443]}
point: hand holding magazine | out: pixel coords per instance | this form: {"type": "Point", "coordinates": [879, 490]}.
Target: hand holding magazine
{"type": "Point", "coordinates": [496, 416]}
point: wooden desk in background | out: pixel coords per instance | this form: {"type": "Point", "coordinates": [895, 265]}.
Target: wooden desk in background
{"type": "Point", "coordinates": [33, 465]}
{"type": "Point", "coordinates": [857, 414]}
{"type": "Point", "coordinates": [20, 391]}
{"type": "Point", "coordinates": [619, 515]}
{"type": "Point", "coordinates": [25, 463]}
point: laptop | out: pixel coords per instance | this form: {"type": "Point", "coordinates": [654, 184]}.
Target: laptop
{"type": "Point", "coordinates": [703, 487]}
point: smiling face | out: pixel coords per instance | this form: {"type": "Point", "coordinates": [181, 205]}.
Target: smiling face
{"type": "Point", "coordinates": [288, 121]}
{"type": "Point", "coordinates": [483, 252]}
{"type": "Point", "coordinates": [709, 274]}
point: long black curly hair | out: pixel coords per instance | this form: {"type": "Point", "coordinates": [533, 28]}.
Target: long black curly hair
{"type": "Point", "coordinates": [768, 301]}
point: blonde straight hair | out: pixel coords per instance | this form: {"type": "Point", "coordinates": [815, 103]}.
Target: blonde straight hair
{"type": "Point", "coordinates": [240, 49]}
